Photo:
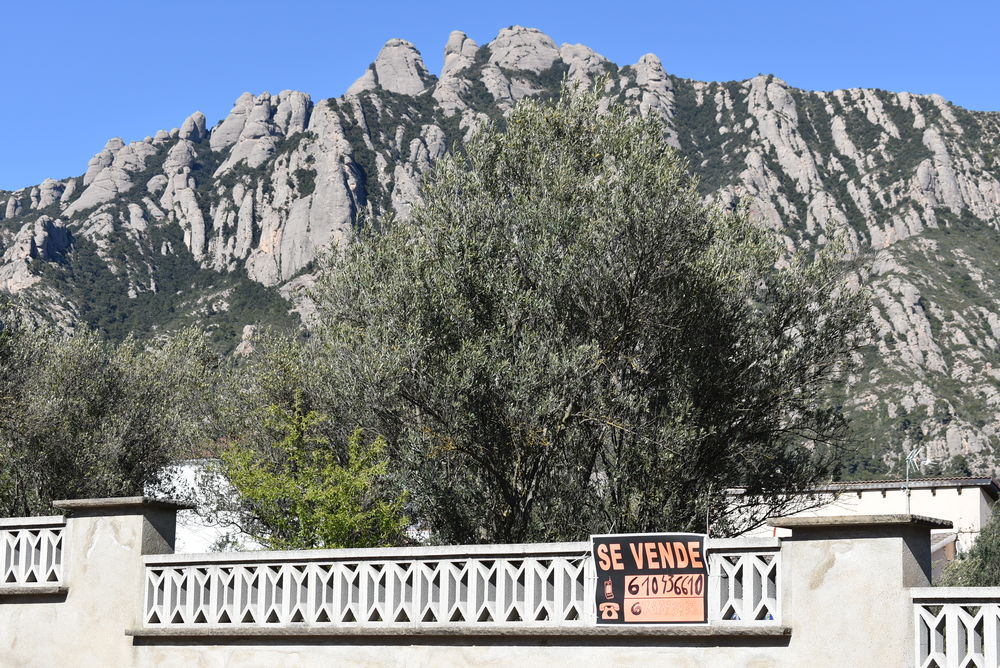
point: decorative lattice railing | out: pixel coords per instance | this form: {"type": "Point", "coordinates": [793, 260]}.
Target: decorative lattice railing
{"type": "Point", "coordinates": [533, 584]}
{"type": "Point", "coordinates": [743, 582]}
{"type": "Point", "coordinates": [31, 551]}
{"type": "Point", "coordinates": [957, 627]}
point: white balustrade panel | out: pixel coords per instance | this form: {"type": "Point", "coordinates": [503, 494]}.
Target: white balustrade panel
{"type": "Point", "coordinates": [549, 584]}
{"type": "Point", "coordinates": [30, 554]}
{"type": "Point", "coordinates": [529, 590]}
{"type": "Point", "coordinates": [744, 586]}
{"type": "Point", "coordinates": [957, 627]}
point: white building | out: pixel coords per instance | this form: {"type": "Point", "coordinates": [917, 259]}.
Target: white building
{"type": "Point", "coordinates": [966, 502]}
{"type": "Point", "coordinates": [203, 529]}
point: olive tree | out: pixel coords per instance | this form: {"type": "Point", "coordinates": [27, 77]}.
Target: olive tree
{"type": "Point", "coordinates": [563, 337]}
{"type": "Point", "coordinates": [980, 567]}
{"type": "Point", "coordinates": [83, 417]}
{"type": "Point", "coordinates": [285, 475]}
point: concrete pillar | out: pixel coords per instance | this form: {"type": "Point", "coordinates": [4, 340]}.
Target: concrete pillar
{"type": "Point", "coordinates": [104, 542]}
{"type": "Point", "coordinates": [845, 586]}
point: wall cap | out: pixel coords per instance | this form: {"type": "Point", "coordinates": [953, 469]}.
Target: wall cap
{"type": "Point", "coordinates": [859, 521]}
{"type": "Point", "coordinates": [120, 503]}
{"type": "Point", "coordinates": [21, 591]}
{"type": "Point", "coordinates": [939, 595]}
{"type": "Point", "coordinates": [487, 551]}
{"type": "Point", "coordinates": [478, 630]}
{"type": "Point", "coordinates": [46, 522]}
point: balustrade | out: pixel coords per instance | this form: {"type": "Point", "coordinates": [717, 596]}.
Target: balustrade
{"type": "Point", "coordinates": [957, 627]}
{"type": "Point", "coordinates": [744, 585]}
{"type": "Point", "coordinates": [520, 585]}
{"type": "Point", "coordinates": [31, 551]}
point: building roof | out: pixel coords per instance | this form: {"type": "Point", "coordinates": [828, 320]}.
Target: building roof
{"type": "Point", "coordinates": [988, 485]}
{"type": "Point", "coordinates": [831, 522]}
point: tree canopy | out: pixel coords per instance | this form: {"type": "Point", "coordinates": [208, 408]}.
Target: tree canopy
{"type": "Point", "coordinates": [297, 494]}
{"type": "Point", "coordinates": [564, 338]}
{"type": "Point", "coordinates": [980, 567]}
{"type": "Point", "coordinates": [561, 338]}
{"type": "Point", "coordinates": [81, 417]}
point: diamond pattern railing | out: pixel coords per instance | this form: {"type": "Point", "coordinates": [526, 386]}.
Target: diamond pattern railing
{"type": "Point", "coordinates": [31, 551]}
{"type": "Point", "coordinates": [745, 586]}
{"type": "Point", "coordinates": [957, 627]}
{"type": "Point", "coordinates": [540, 584]}
{"type": "Point", "coordinates": [528, 589]}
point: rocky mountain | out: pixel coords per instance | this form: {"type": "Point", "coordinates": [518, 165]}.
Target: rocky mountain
{"type": "Point", "coordinates": [221, 226]}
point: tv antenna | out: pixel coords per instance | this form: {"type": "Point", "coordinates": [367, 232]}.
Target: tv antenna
{"type": "Point", "coordinates": [911, 462]}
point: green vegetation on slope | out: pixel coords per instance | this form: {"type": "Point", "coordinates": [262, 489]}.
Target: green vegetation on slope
{"type": "Point", "coordinates": [98, 282]}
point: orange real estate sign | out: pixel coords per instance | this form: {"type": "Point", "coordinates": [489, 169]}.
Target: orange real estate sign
{"type": "Point", "coordinates": [651, 578]}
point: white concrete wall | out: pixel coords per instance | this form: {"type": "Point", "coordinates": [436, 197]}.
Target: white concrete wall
{"type": "Point", "coordinates": [844, 596]}
{"type": "Point", "coordinates": [103, 571]}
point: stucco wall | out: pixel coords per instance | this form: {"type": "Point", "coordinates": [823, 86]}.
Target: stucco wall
{"type": "Point", "coordinates": [845, 601]}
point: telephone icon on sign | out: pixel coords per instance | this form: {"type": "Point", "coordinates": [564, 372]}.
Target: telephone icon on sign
{"type": "Point", "coordinates": [609, 610]}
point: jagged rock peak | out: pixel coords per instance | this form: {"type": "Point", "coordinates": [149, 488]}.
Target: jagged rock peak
{"type": "Point", "coordinates": [649, 69]}
{"type": "Point", "coordinates": [229, 131]}
{"type": "Point", "coordinates": [102, 159]}
{"type": "Point", "coordinates": [49, 192]}
{"type": "Point", "coordinates": [584, 63]}
{"type": "Point", "coordinates": [193, 128]}
{"type": "Point", "coordinates": [520, 48]}
{"type": "Point", "coordinates": [398, 68]}
{"type": "Point", "coordinates": [459, 53]}
{"type": "Point", "coordinates": [292, 112]}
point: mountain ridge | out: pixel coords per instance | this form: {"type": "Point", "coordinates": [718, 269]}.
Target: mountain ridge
{"type": "Point", "coordinates": [219, 225]}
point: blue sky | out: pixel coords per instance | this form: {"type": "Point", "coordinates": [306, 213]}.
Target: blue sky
{"type": "Point", "coordinates": [79, 72]}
